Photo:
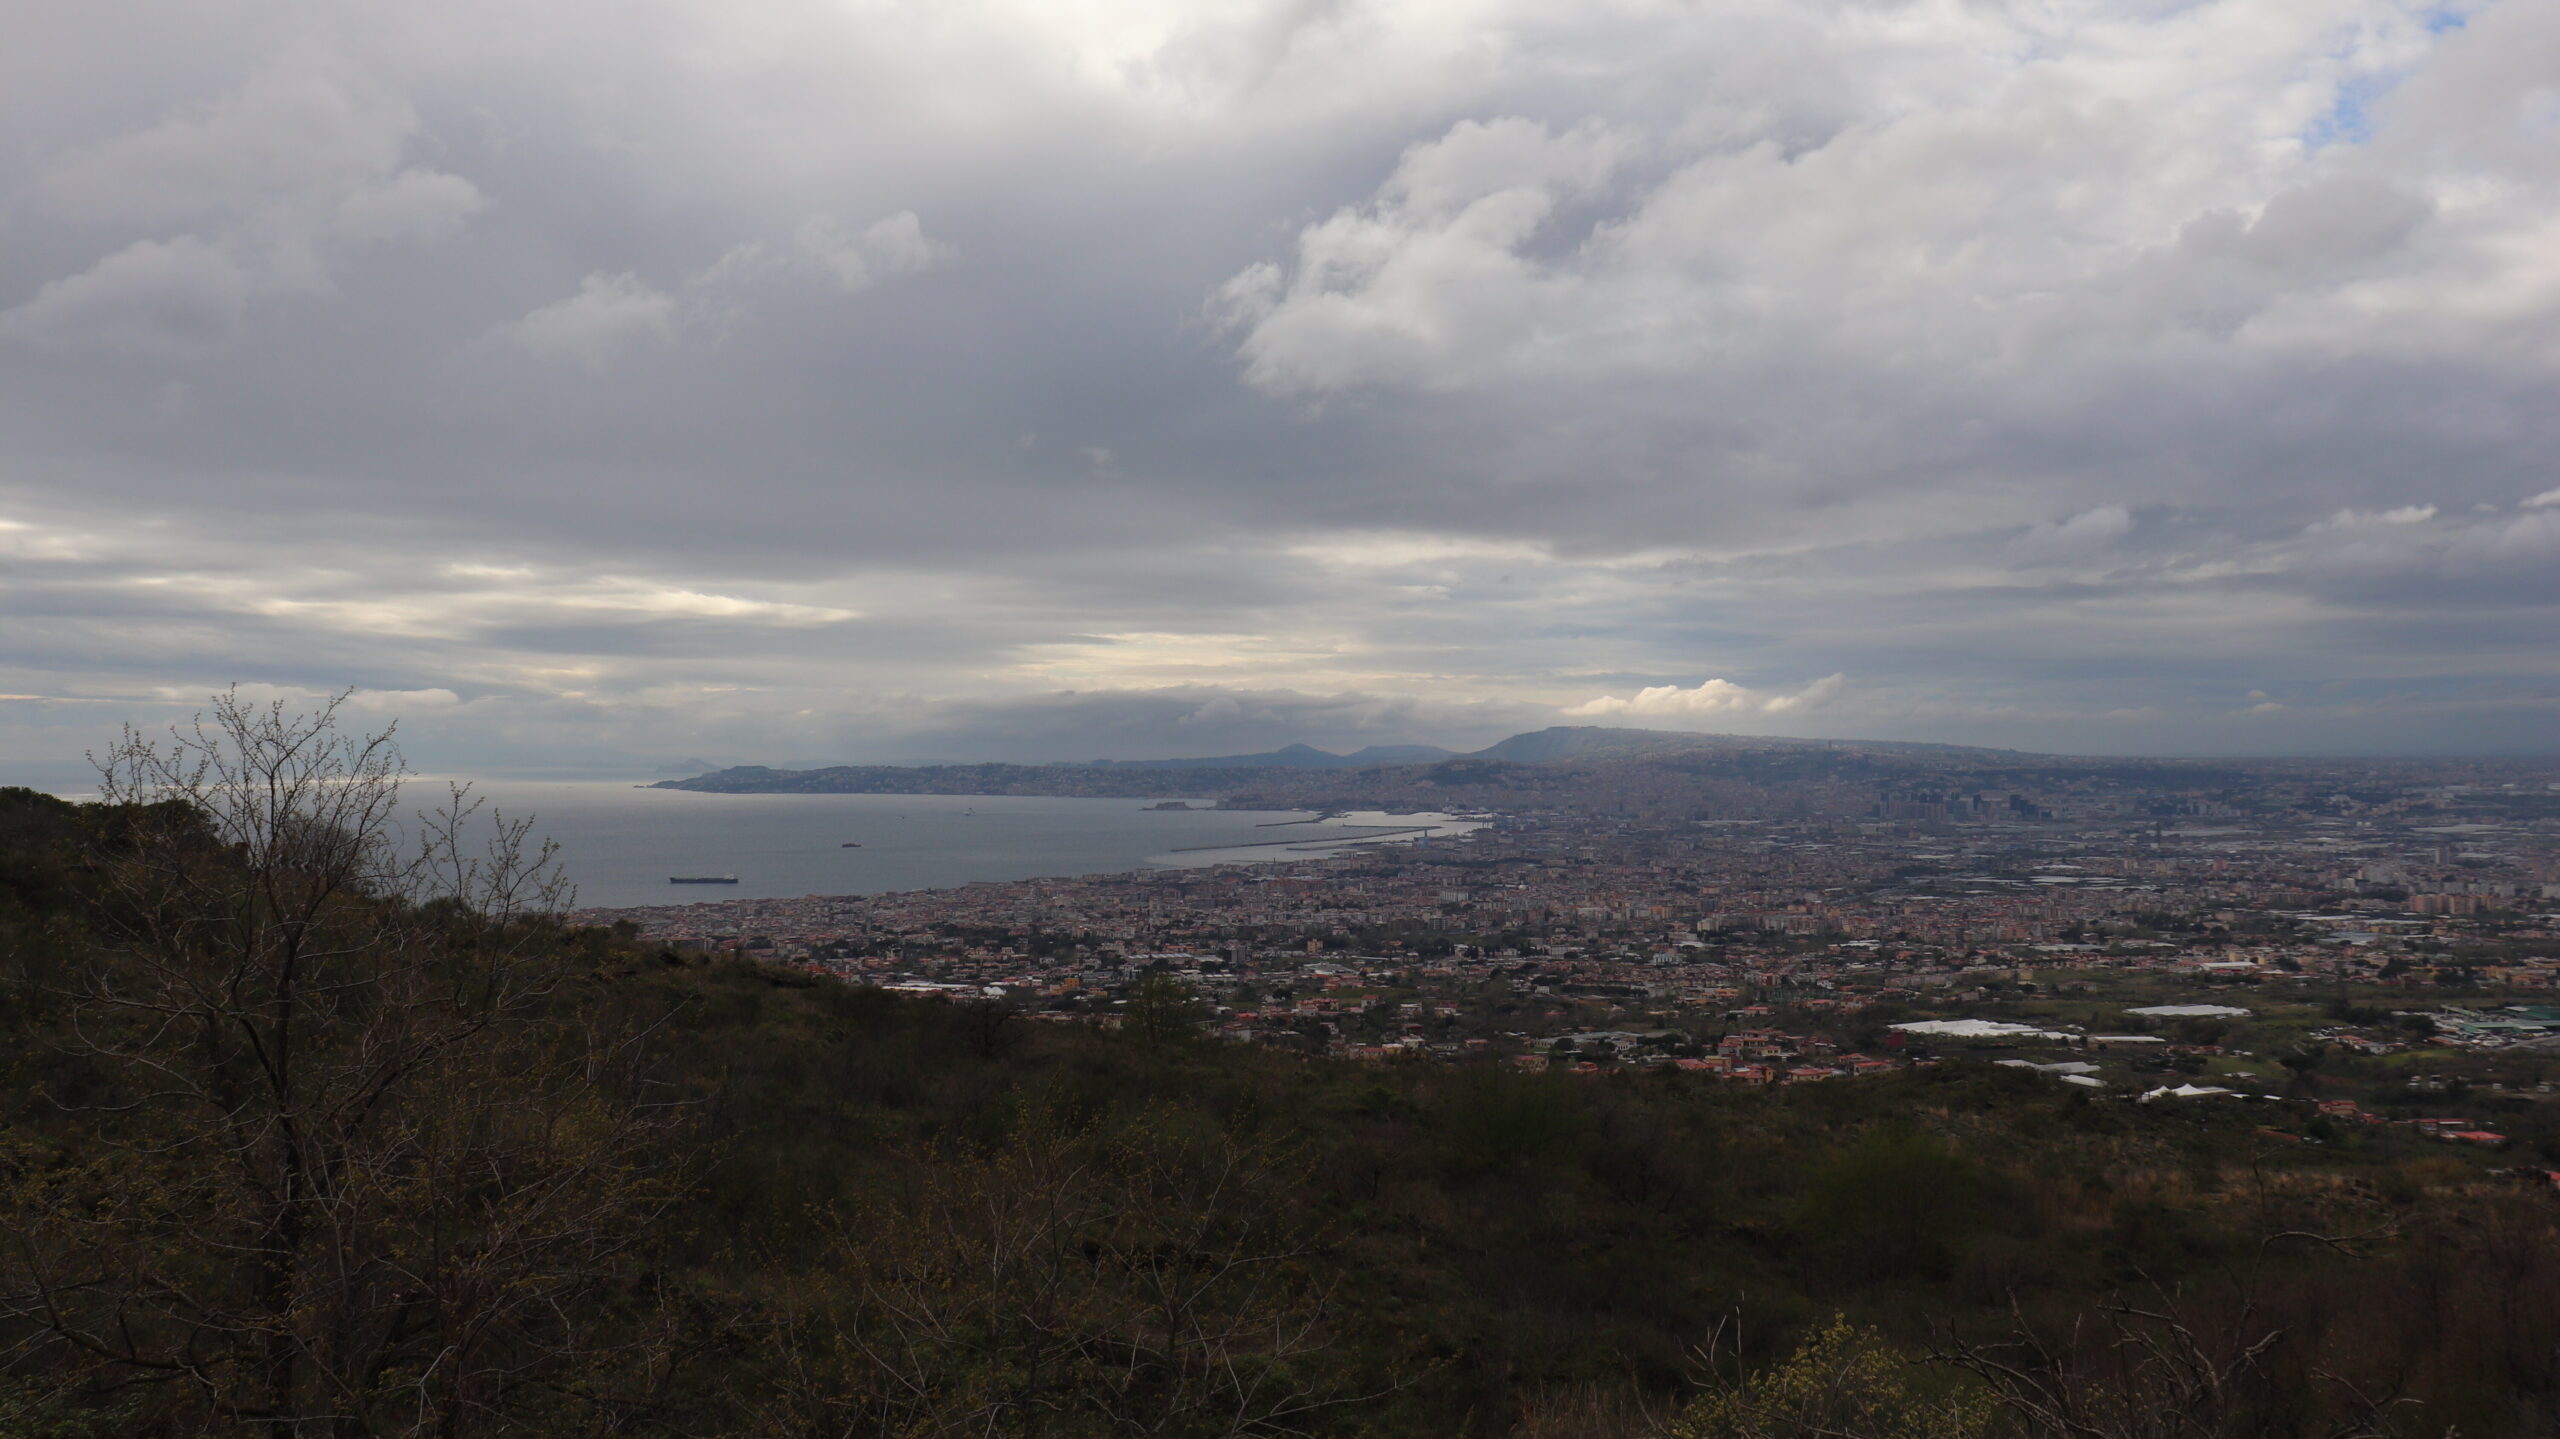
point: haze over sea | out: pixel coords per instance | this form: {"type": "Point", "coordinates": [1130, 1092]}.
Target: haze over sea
{"type": "Point", "coordinates": [620, 842]}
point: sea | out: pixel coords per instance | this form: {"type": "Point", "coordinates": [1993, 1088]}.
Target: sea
{"type": "Point", "coordinates": [621, 842]}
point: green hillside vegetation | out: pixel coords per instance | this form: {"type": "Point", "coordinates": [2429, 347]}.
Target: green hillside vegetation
{"type": "Point", "coordinates": [306, 1133]}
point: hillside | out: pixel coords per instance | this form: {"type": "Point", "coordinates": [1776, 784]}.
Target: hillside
{"type": "Point", "coordinates": [661, 1194]}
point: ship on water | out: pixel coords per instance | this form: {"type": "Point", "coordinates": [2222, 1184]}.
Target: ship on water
{"type": "Point", "coordinates": [702, 879]}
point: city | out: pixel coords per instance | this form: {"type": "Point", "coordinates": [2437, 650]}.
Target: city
{"type": "Point", "coordinates": [2144, 941]}
{"type": "Point", "coordinates": [1280, 719]}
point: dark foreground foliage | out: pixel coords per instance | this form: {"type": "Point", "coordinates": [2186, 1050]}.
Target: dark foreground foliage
{"type": "Point", "coordinates": [356, 1162]}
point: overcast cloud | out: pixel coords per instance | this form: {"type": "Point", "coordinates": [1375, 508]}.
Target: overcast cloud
{"type": "Point", "coordinates": [612, 384]}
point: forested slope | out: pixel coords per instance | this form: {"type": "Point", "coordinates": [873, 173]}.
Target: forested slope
{"type": "Point", "coordinates": [425, 1166]}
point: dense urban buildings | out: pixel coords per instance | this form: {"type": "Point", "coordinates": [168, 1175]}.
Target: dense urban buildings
{"type": "Point", "coordinates": [2127, 928]}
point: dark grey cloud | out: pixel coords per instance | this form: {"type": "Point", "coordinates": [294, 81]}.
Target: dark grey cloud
{"type": "Point", "coordinates": [892, 380]}
{"type": "Point", "coordinates": [1193, 719]}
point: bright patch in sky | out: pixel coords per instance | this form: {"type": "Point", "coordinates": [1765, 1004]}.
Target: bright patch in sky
{"type": "Point", "coordinates": [988, 379]}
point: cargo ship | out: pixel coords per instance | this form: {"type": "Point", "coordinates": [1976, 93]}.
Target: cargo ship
{"type": "Point", "coordinates": [702, 879]}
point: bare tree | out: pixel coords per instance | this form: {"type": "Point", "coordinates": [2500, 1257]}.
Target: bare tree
{"type": "Point", "coordinates": [354, 1161]}
{"type": "Point", "coordinates": [2145, 1368]}
{"type": "Point", "coordinates": [1073, 1280]}
{"type": "Point", "coordinates": [1161, 1011]}
{"type": "Point", "coordinates": [1841, 1382]}
{"type": "Point", "coordinates": [992, 1022]}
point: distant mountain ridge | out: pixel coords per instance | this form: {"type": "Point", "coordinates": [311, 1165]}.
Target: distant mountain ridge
{"type": "Point", "coordinates": [1558, 742]}
{"type": "Point", "coordinates": [1583, 741]}
{"type": "Point", "coordinates": [1296, 756]}
{"type": "Point", "coordinates": [1423, 764]}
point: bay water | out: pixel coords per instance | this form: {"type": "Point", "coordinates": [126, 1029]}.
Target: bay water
{"type": "Point", "coordinates": [621, 842]}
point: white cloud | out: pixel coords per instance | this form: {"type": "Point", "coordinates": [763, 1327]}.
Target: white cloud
{"type": "Point", "coordinates": [1387, 550]}
{"type": "Point", "coordinates": [1565, 340]}
{"type": "Point", "coordinates": [1820, 692]}
{"type": "Point", "coordinates": [1184, 720]}
{"type": "Point", "coordinates": [2543, 501]}
{"type": "Point", "coordinates": [266, 179]}
{"type": "Point", "coordinates": [2526, 540]}
{"type": "Point", "coordinates": [415, 204]}
{"type": "Point", "coordinates": [1913, 192]}
{"type": "Point", "coordinates": [1432, 276]}
{"type": "Point", "coordinates": [2409, 543]}
{"type": "Point", "coordinates": [610, 316]}
{"type": "Point", "coordinates": [825, 248]}
{"type": "Point", "coordinates": [2082, 535]}
{"type": "Point", "coordinates": [2329, 223]}
{"type": "Point", "coordinates": [655, 599]}
{"type": "Point", "coordinates": [858, 260]}
{"type": "Point", "coordinates": [1710, 698]}
{"type": "Point", "coordinates": [468, 598]}
{"type": "Point", "coordinates": [308, 127]}
{"type": "Point", "coordinates": [163, 299]}
{"type": "Point", "coordinates": [613, 314]}
{"type": "Point", "coordinates": [403, 702]}
{"type": "Point", "coordinates": [2399, 517]}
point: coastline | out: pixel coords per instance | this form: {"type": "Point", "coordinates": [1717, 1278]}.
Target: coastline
{"type": "Point", "coordinates": [1254, 855]}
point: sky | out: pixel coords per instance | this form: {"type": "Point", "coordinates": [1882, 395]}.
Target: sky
{"type": "Point", "coordinates": [594, 386]}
